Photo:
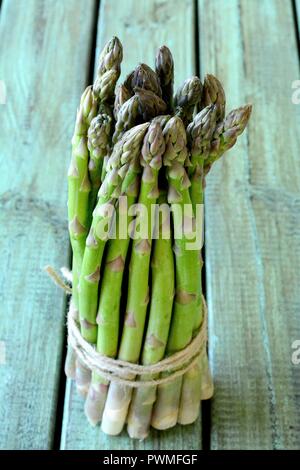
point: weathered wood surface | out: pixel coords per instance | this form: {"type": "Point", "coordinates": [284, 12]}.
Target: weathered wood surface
{"type": "Point", "coordinates": [252, 212]}
{"type": "Point", "coordinates": [142, 26]}
{"type": "Point", "coordinates": [253, 228]}
{"type": "Point", "coordinates": [298, 13]}
{"type": "Point", "coordinates": [44, 61]}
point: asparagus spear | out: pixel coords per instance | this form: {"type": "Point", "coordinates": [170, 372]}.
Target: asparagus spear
{"type": "Point", "coordinates": [79, 185]}
{"type": "Point", "coordinates": [118, 398]}
{"type": "Point", "coordinates": [95, 243]}
{"type": "Point", "coordinates": [98, 144]}
{"type": "Point", "coordinates": [162, 119]}
{"type": "Point", "coordinates": [150, 105]}
{"type": "Point", "coordinates": [122, 95]}
{"type": "Point", "coordinates": [194, 381]}
{"type": "Point", "coordinates": [144, 77]}
{"type": "Point", "coordinates": [164, 67]}
{"type": "Point", "coordinates": [127, 117]}
{"type": "Point", "coordinates": [128, 82]}
{"type": "Point", "coordinates": [110, 295]}
{"type": "Point", "coordinates": [108, 71]}
{"type": "Point", "coordinates": [187, 97]}
{"type": "Point", "coordinates": [111, 56]}
{"type": "Point", "coordinates": [162, 294]}
{"type": "Point", "coordinates": [187, 271]}
{"type": "Point", "coordinates": [104, 86]}
{"type": "Point", "coordinates": [78, 200]}
{"type": "Point", "coordinates": [213, 93]}
{"type": "Point", "coordinates": [197, 382]}
{"type": "Point", "coordinates": [200, 132]}
{"type": "Point", "coordinates": [226, 134]}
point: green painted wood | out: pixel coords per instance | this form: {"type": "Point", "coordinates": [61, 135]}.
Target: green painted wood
{"type": "Point", "coordinates": [45, 67]}
{"type": "Point", "coordinates": [298, 13]}
{"type": "Point", "coordinates": [142, 27]}
{"type": "Point", "coordinates": [253, 228]}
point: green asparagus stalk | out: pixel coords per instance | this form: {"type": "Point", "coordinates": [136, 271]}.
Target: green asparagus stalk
{"type": "Point", "coordinates": [128, 82]}
{"type": "Point", "coordinates": [95, 243]}
{"type": "Point", "coordinates": [150, 105]}
{"type": "Point", "coordinates": [122, 95]}
{"type": "Point", "coordinates": [127, 117]}
{"type": "Point", "coordinates": [104, 86]}
{"type": "Point", "coordinates": [78, 176]}
{"type": "Point", "coordinates": [193, 381]}
{"type": "Point", "coordinates": [162, 119]}
{"type": "Point", "coordinates": [187, 98]}
{"type": "Point", "coordinates": [162, 294]}
{"type": "Point", "coordinates": [164, 67]}
{"type": "Point", "coordinates": [144, 77]}
{"type": "Point", "coordinates": [118, 398]}
{"type": "Point", "coordinates": [110, 295]}
{"type": "Point", "coordinates": [187, 270]}
{"type": "Point", "coordinates": [226, 134]}
{"type": "Point", "coordinates": [79, 184]}
{"type": "Point", "coordinates": [200, 132]}
{"type": "Point", "coordinates": [108, 71]}
{"type": "Point", "coordinates": [197, 383]}
{"type": "Point", "coordinates": [78, 196]}
{"type": "Point", "coordinates": [111, 56]}
{"type": "Point", "coordinates": [99, 139]}
{"type": "Point", "coordinates": [213, 93]}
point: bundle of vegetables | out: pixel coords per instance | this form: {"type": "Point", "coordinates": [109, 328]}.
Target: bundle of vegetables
{"type": "Point", "coordinates": [138, 297]}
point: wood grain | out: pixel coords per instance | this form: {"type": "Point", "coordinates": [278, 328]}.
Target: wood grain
{"type": "Point", "coordinates": [253, 228]}
{"type": "Point", "coordinates": [45, 66]}
{"type": "Point", "coordinates": [142, 26]}
{"type": "Point", "coordinates": [297, 3]}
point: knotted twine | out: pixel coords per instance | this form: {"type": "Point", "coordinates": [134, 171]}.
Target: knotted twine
{"type": "Point", "coordinates": [123, 372]}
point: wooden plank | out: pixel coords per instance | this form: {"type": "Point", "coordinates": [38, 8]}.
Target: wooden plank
{"type": "Point", "coordinates": [142, 26]}
{"type": "Point", "coordinates": [253, 228]}
{"type": "Point", "coordinates": [45, 66]}
{"type": "Point", "coordinates": [298, 14]}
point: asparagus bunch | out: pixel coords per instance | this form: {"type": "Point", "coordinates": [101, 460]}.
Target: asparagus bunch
{"type": "Point", "coordinates": [118, 399]}
{"type": "Point", "coordinates": [140, 300]}
{"type": "Point", "coordinates": [161, 304]}
{"type": "Point", "coordinates": [110, 294]}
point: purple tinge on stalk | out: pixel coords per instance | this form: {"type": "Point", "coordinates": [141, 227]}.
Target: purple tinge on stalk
{"type": "Point", "coordinates": [175, 139]}
{"type": "Point", "coordinates": [227, 131]}
{"type": "Point", "coordinates": [122, 95]}
{"type": "Point", "coordinates": [213, 93]}
{"type": "Point", "coordinates": [144, 77]}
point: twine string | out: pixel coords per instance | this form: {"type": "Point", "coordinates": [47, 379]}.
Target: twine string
{"type": "Point", "coordinates": [123, 372]}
